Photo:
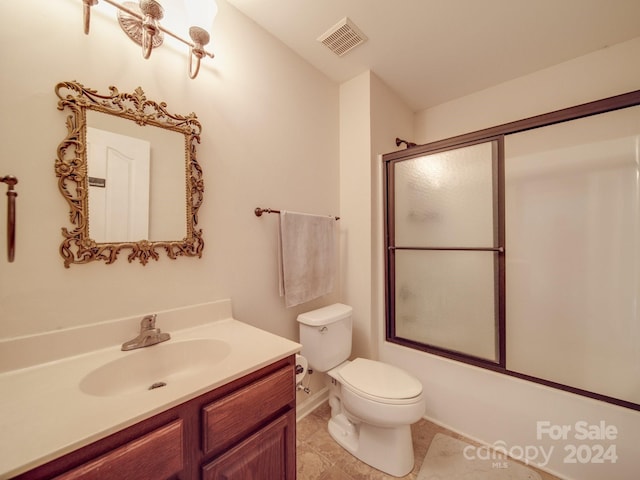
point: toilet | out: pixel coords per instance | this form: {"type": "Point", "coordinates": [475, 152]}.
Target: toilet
{"type": "Point", "coordinates": [373, 404]}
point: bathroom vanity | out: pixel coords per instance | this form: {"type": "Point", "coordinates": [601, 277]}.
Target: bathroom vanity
{"type": "Point", "coordinates": [245, 429]}
{"type": "Point", "coordinates": [221, 405]}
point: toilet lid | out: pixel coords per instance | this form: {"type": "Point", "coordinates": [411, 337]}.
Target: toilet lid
{"type": "Point", "coordinates": [380, 379]}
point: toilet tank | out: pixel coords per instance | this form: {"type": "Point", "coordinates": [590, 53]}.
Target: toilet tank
{"type": "Point", "coordinates": [325, 335]}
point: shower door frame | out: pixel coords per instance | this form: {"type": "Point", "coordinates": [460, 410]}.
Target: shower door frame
{"type": "Point", "coordinates": [497, 173]}
{"type": "Point", "coordinates": [497, 133]}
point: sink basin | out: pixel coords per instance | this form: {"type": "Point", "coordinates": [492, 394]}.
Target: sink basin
{"type": "Point", "coordinates": [154, 367]}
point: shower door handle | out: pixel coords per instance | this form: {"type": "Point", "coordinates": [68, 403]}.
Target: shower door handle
{"type": "Point", "coordinates": [463, 249]}
{"type": "Point", "coordinates": [11, 215]}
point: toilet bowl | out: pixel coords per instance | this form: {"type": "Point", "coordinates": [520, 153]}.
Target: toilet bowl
{"type": "Point", "coordinates": [372, 420]}
{"type": "Point", "coordinates": [378, 393]}
{"type": "Point", "coordinates": [373, 404]}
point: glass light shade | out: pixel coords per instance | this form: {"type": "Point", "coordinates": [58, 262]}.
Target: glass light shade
{"type": "Point", "coordinates": [201, 13]}
{"type": "Point", "coordinates": [175, 16]}
{"type": "Point", "coordinates": [180, 15]}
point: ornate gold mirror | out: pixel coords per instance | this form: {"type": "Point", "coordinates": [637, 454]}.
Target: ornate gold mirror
{"type": "Point", "coordinates": [126, 167]}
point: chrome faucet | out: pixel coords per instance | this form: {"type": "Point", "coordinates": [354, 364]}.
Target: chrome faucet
{"type": "Point", "coordinates": [149, 335]}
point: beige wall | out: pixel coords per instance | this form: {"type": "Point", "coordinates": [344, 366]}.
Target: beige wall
{"type": "Point", "coordinates": [270, 138]}
{"type": "Point", "coordinates": [371, 117]}
{"type": "Point", "coordinates": [390, 118]}
{"type": "Point", "coordinates": [492, 407]}
{"type": "Point", "coordinates": [355, 195]}
{"type": "Point", "coordinates": [610, 71]}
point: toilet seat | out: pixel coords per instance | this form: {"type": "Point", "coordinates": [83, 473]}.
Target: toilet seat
{"type": "Point", "coordinates": [380, 382]}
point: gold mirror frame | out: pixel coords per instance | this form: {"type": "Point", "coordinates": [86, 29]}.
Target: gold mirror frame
{"type": "Point", "coordinates": [72, 172]}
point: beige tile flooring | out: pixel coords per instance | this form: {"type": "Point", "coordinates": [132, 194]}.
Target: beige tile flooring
{"type": "Point", "coordinates": [321, 458]}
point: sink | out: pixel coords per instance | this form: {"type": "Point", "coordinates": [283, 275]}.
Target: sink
{"type": "Point", "coordinates": [154, 367]}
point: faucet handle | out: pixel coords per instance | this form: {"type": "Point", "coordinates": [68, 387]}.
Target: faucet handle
{"type": "Point", "coordinates": [148, 322]}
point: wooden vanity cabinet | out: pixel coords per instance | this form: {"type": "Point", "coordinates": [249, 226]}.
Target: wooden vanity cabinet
{"type": "Point", "coordinates": [264, 455]}
{"type": "Point", "coordinates": [158, 454]}
{"type": "Point", "coordinates": [241, 430]}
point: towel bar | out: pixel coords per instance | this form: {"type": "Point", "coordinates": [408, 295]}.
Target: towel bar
{"type": "Point", "coordinates": [259, 211]}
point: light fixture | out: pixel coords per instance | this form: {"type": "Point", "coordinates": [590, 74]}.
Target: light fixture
{"type": "Point", "coordinates": [141, 22]}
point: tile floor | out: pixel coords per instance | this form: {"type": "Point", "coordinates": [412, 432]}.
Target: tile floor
{"type": "Point", "coordinates": [321, 458]}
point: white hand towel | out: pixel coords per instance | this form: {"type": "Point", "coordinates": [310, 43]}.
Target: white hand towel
{"type": "Point", "coordinates": [307, 256]}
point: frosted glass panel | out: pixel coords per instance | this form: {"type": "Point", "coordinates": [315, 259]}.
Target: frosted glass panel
{"type": "Point", "coordinates": [446, 299]}
{"type": "Point", "coordinates": [446, 199]}
{"type": "Point", "coordinates": [572, 253]}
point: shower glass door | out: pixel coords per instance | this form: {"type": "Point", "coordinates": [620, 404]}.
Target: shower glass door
{"type": "Point", "coordinates": [573, 265]}
{"type": "Point", "coordinates": [444, 253]}
{"type": "Point", "coordinates": [517, 249]}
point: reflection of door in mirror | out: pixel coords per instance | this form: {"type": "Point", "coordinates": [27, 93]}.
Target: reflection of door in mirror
{"type": "Point", "coordinates": [167, 185]}
{"type": "Point", "coordinates": [118, 186]}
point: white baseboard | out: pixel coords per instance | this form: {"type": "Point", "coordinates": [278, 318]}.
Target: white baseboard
{"type": "Point", "coordinates": [312, 402]}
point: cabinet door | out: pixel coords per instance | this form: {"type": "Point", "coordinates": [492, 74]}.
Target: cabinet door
{"type": "Point", "coordinates": [267, 455]}
{"type": "Point", "coordinates": [234, 417]}
{"type": "Point", "coordinates": [157, 455]}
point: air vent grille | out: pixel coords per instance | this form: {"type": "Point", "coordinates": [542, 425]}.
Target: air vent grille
{"type": "Point", "coordinates": [343, 37]}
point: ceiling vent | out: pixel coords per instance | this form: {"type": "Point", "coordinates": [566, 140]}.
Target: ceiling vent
{"type": "Point", "coordinates": [343, 37]}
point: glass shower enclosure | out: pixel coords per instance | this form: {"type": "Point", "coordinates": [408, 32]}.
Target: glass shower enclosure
{"type": "Point", "coordinates": [518, 249]}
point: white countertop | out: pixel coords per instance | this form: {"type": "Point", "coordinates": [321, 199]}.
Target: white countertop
{"type": "Point", "coordinates": [44, 414]}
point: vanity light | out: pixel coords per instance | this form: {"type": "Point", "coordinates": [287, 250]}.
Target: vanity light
{"type": "Point", "coordinates": [141, 22]}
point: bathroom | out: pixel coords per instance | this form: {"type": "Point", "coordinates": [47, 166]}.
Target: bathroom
{"type": "Point", "coordinates": [268, 118]}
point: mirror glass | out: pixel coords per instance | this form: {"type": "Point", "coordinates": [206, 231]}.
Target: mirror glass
{"type": "Point", "coordinates": [129, 172]}
{"type": "Point", "coordinates": [137, 187]}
